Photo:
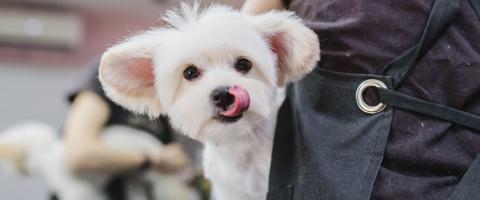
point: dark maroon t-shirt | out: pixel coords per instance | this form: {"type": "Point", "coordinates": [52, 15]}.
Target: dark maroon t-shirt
{"type": "Point", "coordinates": [425, 158]}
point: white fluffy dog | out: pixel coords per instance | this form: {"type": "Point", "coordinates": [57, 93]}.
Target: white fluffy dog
{"type": "Point", "coordinates": [219, 75]}
{"type": "Point", "coordinates": [45, 158]}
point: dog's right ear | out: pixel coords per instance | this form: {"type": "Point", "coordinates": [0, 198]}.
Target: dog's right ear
{"type": "Point", "coordinates": [296, 46]}
{"type": "Point", "coordinates": [127, 75]}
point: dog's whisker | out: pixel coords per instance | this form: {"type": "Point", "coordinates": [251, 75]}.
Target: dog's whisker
{"type": "Point", "coordinates": [202, 131]}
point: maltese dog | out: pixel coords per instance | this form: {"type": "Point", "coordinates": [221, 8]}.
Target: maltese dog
{"type": "Point", "coordinates": [219, 75]}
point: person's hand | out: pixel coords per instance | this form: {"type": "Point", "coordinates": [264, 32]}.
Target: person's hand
{"type": "Point", "coordinates": [16, 153]}
{"type": "Point", "coordinates": [170, 159]}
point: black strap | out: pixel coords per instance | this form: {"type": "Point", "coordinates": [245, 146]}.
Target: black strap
{"type": "Point", "coordinates": [283, 153]}
{"type": "Point", "coordinates": [476, 7]}
{"type": "Point", "coordinates": [442, 14]}
{"type": "Point", "coordinates": [403, 101]}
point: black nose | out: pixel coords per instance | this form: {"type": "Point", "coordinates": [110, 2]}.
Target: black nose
{"type": "Point", "coordinates": [221, 98]}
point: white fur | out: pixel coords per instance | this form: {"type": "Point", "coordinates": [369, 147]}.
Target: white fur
{"type": "Point", "coordinates": [45, 158]}
{"type": "Point", "coordinates": [236, 155]}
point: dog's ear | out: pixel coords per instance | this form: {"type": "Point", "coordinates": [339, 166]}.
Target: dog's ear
{"type": "Point", "coordinates": [296, 46]}
{"type": "Point", "coordinates": [127, 75]}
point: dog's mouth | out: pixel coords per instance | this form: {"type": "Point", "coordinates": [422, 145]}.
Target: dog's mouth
{"type": "Point", "coordinates": [234, 112]}
{"type": "Point", "coordinates": [228, 119]}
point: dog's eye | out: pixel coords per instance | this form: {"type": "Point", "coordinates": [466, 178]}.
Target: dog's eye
{"type": "Point", "coordinates": [243, 65]}
{"type": "Point", "coordinates": [191, 72]}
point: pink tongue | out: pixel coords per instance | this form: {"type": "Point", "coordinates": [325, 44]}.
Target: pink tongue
{"type": "Point", "coordinates": [240, 104]}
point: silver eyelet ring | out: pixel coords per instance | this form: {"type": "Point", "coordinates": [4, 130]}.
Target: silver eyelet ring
{"type": "Point", "coordinates": [359, 96]}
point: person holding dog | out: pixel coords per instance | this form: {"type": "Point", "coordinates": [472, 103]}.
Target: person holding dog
{"type": "Point", "coordinates": [392, 111]}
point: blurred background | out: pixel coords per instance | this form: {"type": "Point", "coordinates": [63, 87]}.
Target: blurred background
{"type": "Point", "coordinates": [44, 47]}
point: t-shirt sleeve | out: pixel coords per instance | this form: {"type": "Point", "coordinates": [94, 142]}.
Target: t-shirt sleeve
{"type": "Point", "coordinates": [89, 82]}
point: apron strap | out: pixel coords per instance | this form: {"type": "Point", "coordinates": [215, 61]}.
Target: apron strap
{"type": "Point", "coordinates": [282, 154]}
{"type": "Point", "coordinates": [403, 101]}
{"type": "Point", "coordinates": [470, 183]}
{"type": "Point", "coordinates": [442, 14]}
{"type": "Point", "coordinates": [476, 7]}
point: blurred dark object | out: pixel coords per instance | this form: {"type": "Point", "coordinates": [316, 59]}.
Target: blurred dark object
{"type": "Point", "coordinates": [202, 185]}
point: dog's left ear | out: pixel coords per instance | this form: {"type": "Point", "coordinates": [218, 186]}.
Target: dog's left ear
{"type": "Point", "coordinates": [127, 75]}
{"type": "Point", "coordinates": [296, 46]}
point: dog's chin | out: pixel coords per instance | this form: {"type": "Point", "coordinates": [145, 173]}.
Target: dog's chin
{"type": "Point", "coordinates": [223, 130]}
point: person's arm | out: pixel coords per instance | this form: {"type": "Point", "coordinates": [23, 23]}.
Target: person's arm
{"type": "Point", "coordinates": [254, 7]}
{"type": "Point", "coordinates": [84, 150]}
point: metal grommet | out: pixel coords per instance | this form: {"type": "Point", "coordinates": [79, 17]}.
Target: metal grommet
{"type": "Point", "coordinates": [359, 96]}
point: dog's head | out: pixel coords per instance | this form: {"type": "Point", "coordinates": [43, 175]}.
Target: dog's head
{"type": "Point", "coordinates": [215, 72]}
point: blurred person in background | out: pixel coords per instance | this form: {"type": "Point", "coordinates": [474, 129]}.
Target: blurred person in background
{"type": "Point", "coordinates": [101, 139]}
{"type": "Point", "coordinates": [89, 114]}
{"type": "Point", "coordinates": [423, 56]}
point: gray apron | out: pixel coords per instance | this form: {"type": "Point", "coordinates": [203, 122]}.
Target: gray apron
{"type": "Point", "coordinates": [329, 144]}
